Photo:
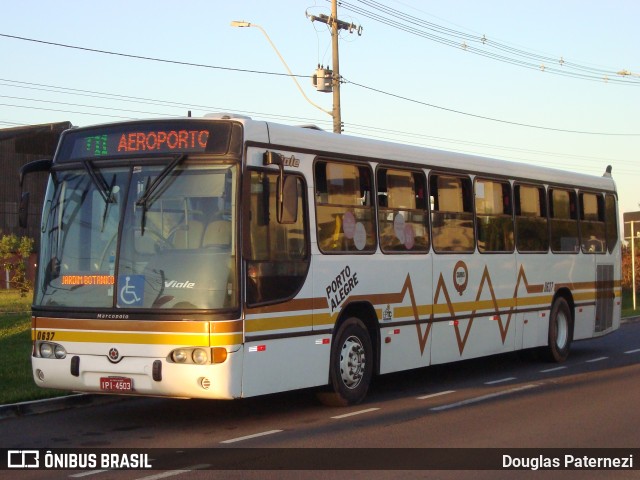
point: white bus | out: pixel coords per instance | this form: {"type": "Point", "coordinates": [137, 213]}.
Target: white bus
{"type": "Point", "coordinates": [225, 257]}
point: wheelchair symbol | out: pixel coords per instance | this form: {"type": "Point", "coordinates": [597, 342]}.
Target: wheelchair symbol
{"type": "Point", "coordinates": [128, 294]}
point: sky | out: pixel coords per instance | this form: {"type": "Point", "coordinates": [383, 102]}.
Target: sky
{"type": "Point", "coordinates": [419, 73]}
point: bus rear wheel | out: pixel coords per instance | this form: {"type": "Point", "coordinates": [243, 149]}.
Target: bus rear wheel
{"type": "Point", "coordinates": [560, 331]}
{"type": "Point", "coordinates": [351, 365]}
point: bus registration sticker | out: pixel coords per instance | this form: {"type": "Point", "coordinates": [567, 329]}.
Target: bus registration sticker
{"type": "Point", "coordinates": [116, 384]}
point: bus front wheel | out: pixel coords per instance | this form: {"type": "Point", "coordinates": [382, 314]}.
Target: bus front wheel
{"type": "Point", "coordinates": [560, 331]}
{"type": "Point", "coordinates": [351, 365]}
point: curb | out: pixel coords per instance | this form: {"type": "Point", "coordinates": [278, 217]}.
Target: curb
{"type": "Point", "coordinates": [36, 407]}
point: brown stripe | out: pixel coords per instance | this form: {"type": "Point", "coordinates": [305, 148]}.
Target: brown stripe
{"type": "Point", "coordinates": [302, 304]}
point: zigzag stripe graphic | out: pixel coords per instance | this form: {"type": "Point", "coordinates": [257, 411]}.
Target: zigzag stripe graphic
{"type": "Point", "coordinates": [441, 288]}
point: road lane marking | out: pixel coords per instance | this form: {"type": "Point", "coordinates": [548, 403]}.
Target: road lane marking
{"type": "Point", "coordinates": [173, 473]}
{"type": "Point", "coordinates": [633, 351]}
{"type": "Point", "coordinates": [599, 359]}
{"type": "Point", "coordinates": [555, 369]}
{"type": "Point", "coordinates": [359, 412]}
{"type": "Point", "coordinates": [248, 437]}
{"type": "Point", "coordinates": [86, 474]}
{"type": "Point", "coordinates": [435, 394]}
{"type": "Point", "coordinates": [482, 398]}
{"type": "Point", "coordinates": [502, 380]}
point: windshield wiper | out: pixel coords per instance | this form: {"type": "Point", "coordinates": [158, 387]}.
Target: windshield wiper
{"type": "Point", "coordinates": [105, 191]}
{"type": "Point", "coordinates": [153, 186]}
{"type": "Point", "coordinates": [111, 200]}
{"type": "Point", "coordinates": [98, 180]}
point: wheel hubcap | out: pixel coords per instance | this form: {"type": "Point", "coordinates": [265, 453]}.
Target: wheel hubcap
{"type": "Point", "coordinates": [352, 362]}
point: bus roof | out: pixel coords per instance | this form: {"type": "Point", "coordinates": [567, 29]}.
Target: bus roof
{"type": "Point", "coordinates": [347, 146]}
{"type": "Point", "coordinates": [329, 143]}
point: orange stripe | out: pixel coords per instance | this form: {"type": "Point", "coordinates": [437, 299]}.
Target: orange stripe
{"type": "Point", "coordinates": [42, 323]}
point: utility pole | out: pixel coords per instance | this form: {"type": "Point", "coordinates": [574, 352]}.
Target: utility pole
{"type": "Point", "coordinates": [337, 116]}
{"type": "Point", "coordinates": [336, 25]}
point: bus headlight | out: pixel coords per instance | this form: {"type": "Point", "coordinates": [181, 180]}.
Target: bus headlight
{"type": "Point", "coordinates": [190, 356]}
{"type": "Point", "coordinates": [199, 356]}
{"type": "Point", "coordinates": [50, 350]}
{"type": "Point", "coordinates": [59, 352]}
{"type": "Point", "coordinates": [179, 356]}
{"type": "Point", "coordinates": [46, 350]}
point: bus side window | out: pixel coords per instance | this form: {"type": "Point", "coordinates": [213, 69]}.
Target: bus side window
{"type": "Point", "coordinates": [452, 216]}
{"type": "Point", "coordinates": [402, 211]}
{"type": "Point", "coordinates": [277, 254]}
{"type": "Point", "coordinates": [494, 216]}
{"type": "Point", "coordinates": [344, 211]}
{"type": "Point", "coordinates": [592, 227]}
{"type": "Point", "coordinates": [532, 232]}
{"type": "Point", "coordinates": [564, 221]}
{"type": "Point", "coordinates": [611, 222]}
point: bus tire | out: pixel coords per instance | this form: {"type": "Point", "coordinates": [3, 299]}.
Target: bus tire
{"type": "Point", "coordinates": [560, 331]}
{"type": "Point", "coordinates": [350, 366]}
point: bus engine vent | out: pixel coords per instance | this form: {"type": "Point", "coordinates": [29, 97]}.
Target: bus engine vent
{"type": "Point", "coordinates": [604, 297]}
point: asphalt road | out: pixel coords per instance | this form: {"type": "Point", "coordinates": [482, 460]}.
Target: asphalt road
{"type": "Point", "coordinates": [498, 403]}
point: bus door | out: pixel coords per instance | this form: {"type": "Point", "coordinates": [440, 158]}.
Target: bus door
{"type": "Point", "coordinates": [278, 318]}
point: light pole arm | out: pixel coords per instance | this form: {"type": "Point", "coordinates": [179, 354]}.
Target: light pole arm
{"type": "Point", "coordinates": [247, 24]}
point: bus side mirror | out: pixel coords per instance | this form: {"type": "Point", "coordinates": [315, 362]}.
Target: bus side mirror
{"type": "Point", "coordinates": [23, 210]}
{"type": "Point", "coordinates": [287, 195]}
{"type": "Point", "coordinates": [35, 166]}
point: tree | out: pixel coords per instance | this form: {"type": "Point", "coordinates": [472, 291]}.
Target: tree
{"type": "Point", "coordinates": [14, 251]}
{"type": "Point", "coordinates": [627, 277]}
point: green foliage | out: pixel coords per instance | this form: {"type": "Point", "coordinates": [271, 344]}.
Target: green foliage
{"type": "Point", "coordinates": [14, 251]}
{"type": "Point", "coordinates": [16, 379]}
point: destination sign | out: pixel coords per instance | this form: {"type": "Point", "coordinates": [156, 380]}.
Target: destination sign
{"type": "Point", "coordinates": [145, 138]}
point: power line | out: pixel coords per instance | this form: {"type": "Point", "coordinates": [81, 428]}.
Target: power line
{"type": "Point", "coordinates": [380, 133]}
{"type": "Point", "coordinates": [482, 117]}
{"type": "Point", "coordinates": [483, 46]}
{"type": "Point", "coordinates": [397, 96]}
{"type": "Point", "coordinates": [141, 100]}
{"type": "Point", "coordinates": [142, 57]}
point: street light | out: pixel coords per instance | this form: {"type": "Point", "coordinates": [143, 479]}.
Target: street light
{"type": "Point", "coordinates": [243, 24]}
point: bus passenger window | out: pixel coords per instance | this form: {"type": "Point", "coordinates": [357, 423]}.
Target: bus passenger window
{"type": "Point", "coordinates": [277, 254]}
{"type": "Point", "coordinates": [612, 222]}
{"type": "Point", "coordinates": [564, 221]}
{"type": "Point", "coordinates": [532, 232]}
{"type": "Point", "coordinates": [344, 211]}
{"type": "Point", "coordinates": [452, 214]}
{"type": "Point", "coordinates": [494, 216]}
{"type": "Point", "coordinates": [592, 228]}
{"type": "Point", "coordinates": [402, 211]}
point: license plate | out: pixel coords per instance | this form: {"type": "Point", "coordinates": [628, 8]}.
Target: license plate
{"type": "Point", "coordinates": [116, 384]}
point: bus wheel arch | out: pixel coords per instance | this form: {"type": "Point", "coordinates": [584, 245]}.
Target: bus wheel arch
{"type": "Point", "coordinates": [354, 356]}
{"type": "Point", "coordinates": [561, 324]}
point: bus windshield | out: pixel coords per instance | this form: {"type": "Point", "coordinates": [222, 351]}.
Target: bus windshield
{"type": "Point", "coordinates": [140, 237]}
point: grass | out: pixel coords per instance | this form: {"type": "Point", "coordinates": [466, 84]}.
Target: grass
{"type": "Point", "coordinates": [16, 380]}
{"type": "Point", "coordinates": [627, 304]}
